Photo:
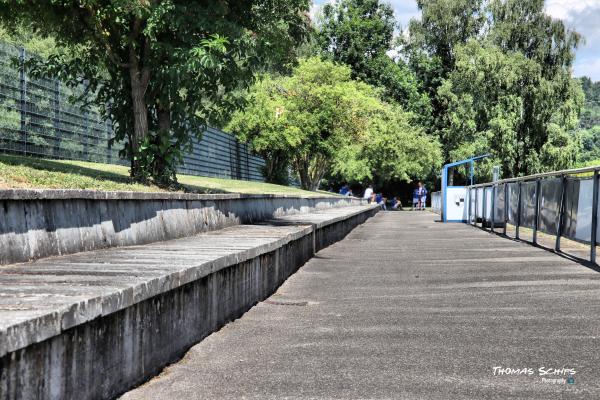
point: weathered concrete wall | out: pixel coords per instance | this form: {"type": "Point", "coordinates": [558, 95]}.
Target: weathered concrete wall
{"type": "Point", "coordinates": [42, 223]}
{"type": "Point", "coordinates": [110, 354]}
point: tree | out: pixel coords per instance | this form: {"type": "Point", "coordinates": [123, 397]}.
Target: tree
{"type": "Point", "coordinates": [501, 103]}
{"type": "Point", "coordinates": [321, 121]}
{"type": "Point", "coordinates": [499, 76]}
{"type": "Point", "coordinates": [591, 144]}
{"type": "Point", "coordinates": [590, 117]}
{"type": "Point", "coordinates": [392, 149]}
{"type": "Point", "coordinates": [360, 34]}
{"type": "Point", "coordinates": [430, 48]}
{"type": "Point", "coordinates": [162, 68]}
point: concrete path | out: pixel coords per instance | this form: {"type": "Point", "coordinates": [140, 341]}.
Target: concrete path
{"type": "Point", "coordinates": [407, 308]}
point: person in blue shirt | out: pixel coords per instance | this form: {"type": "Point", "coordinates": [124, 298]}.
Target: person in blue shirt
{"type": "Point", "coordinates": [416, 197]}
{"type": "Point", "coordinates": [423, 199]}
{"type": "Point", "coordinates": [379, 199]}
{"type": "Point", "coordinates": [344, 190]}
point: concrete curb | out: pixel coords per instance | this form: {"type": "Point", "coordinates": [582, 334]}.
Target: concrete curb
{"type": "Point", "coordinates": [38, 224]}
{"type": "Point", "coordinates": [66, 194]}
{"type": "Point", "coordinates": [102, 345]}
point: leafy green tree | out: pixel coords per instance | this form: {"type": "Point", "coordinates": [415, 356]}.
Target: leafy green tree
{"type": "Point", "coordinates": [590, 141]}
{"type": "Point", "coordinates": [590, 116]}
{"type": "Point", "coordinates": [501, 103]}
{"type": "Point", "coordinates": [430, 47]}
{"type": "Point", "coordinates": [321, 121]}
{"type": "Point", "coordinates": [392, 148]}
{"type": "Point", "coordinates": [360, 33]}
{"type": "Point", "coordinates": [162, 68]}
{"type": "Point", "coordinates": [499, 76]}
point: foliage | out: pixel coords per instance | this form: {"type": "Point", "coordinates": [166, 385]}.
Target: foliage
{"type": "Point", "coordinates": [321, 121]}
{"type": "Point", "coordinates": [590, 116]}
{"type": "Point", "coordinates": [495, 101]}
{"type": "Point", "coordinates": [161, 69]}
{"type": "Point", "coordinates": [392, 149]}
{"type": "Point", "coordinates": [360, 34]}
{"type": "Point", "coordinates": [498, 73]}
{"type": "Point", "coordinates": [21, 36]}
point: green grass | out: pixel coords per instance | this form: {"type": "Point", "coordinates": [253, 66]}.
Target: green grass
{"type": "Point", "coordinates": [17, 172]}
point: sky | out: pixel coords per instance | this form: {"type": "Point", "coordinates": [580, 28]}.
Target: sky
{"type": "Point", "coordinates": [582, 15]}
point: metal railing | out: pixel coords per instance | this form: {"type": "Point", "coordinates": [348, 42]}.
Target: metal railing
{"type": "Point", "coordinates": [38, 118]}
{"type": "Point", "coordinates": [563, 204]}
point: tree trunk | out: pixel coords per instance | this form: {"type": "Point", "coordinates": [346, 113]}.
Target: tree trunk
{"type": "Point", "coordinates": [139, 76]}
{"type": "Point", "coordinates": [311, 171]}
{"type": "Point", "coordinates": [164, 173]}
{"type": "Point", "coordinates": [302, 168]}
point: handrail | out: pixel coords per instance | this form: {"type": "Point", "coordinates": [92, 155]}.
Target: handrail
{"type": "Point", "coordinates": [489, 212]}
{"type": "Point", "coordinates": [538, 176]}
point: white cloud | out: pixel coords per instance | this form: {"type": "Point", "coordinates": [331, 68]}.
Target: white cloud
{"type": "Point", "coordinates": [564, 9]}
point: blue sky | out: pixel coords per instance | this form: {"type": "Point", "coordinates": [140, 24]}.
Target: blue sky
{"type": "Point", "coordinates": [583, 15]}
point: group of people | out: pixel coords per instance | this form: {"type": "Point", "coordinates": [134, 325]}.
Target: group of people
{"type": "Point", "coordinates": [419, 197]}
{"type": "Point", "coordinates": [377, 198]}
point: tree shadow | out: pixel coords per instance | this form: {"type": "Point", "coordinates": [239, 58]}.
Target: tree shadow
{"type": "Point", "coordinates": [115, 177]}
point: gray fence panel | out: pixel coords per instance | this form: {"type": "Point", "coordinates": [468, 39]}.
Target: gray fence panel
{"type": "Point", "coordinates": [513, 202]}
{"type": "Point", "coordinates": [528, 203]}
{"type": "Point", "coordinates": [37, 118]}
{"type": "Point", "coordinates": [499, 204]}
{"type": "Point", "coordinates": [549, 205]}
{"type": "Point", "coordinates": [569, 227]}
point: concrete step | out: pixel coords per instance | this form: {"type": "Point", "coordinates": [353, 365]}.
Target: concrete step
{"type": "Point", "coordinates": [93, 324]}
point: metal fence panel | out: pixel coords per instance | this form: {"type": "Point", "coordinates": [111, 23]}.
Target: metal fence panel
{"type": "Point", "coordinates": [528, 204]}
{"type": "Point", "coordinates": [513, 202]}
{"type": "Point", "coordinates": [569, 225]}
{"type": "Point", "coordinates": [499, 204]}
{"type": "Point", "coordinates": [549, 205]}
{"type": "Point", "coordinates": [38, 118]}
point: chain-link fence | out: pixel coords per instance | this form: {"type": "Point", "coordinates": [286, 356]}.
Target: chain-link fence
{"type": "Point", "coordinates": [38, 118]}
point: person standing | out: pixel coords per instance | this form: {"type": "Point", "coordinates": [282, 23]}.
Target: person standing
{"type": "Point", "coordinates": [368, 193]}
{"type": "Point", "coordinates": [416, 197]}
{"type": "Point", "coordinates": [423, 199]}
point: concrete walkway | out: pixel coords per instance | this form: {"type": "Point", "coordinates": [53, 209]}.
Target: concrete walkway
{"type": "Point", "coordinates": [407, 308]}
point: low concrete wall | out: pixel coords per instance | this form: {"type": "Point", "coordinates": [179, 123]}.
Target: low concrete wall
{"type": "Point", "coordinates": [106, 356]}
{"type": "Point", "coordinates": [42, 223]}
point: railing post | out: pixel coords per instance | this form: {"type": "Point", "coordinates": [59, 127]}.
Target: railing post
{"type": "Point", "coordinates": [505, 208]}
{"type": "Point", "coordinates": [493, 207]}
{"type": "Point", "coordinates": [538, 190]}
{"type": "Point", "coordinates": [594, 218]}
{"type": "Point", "coordinates": [476, 206]}
{"type": "Point", "coordinates": [518, 212]}
{"type": "Point", "coordinates": [484, 209]}
{"type": "Point", "coordinates": [561, 211]}
{"type": "Point", "coordinates": [469, 207]}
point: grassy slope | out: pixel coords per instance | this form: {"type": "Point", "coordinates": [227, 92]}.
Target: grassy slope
{"type": "Point", "coordinates": [35, 173]}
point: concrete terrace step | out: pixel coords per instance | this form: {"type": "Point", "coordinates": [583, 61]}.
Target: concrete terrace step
{"type": "Point", "coordinates": [41, 299]}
